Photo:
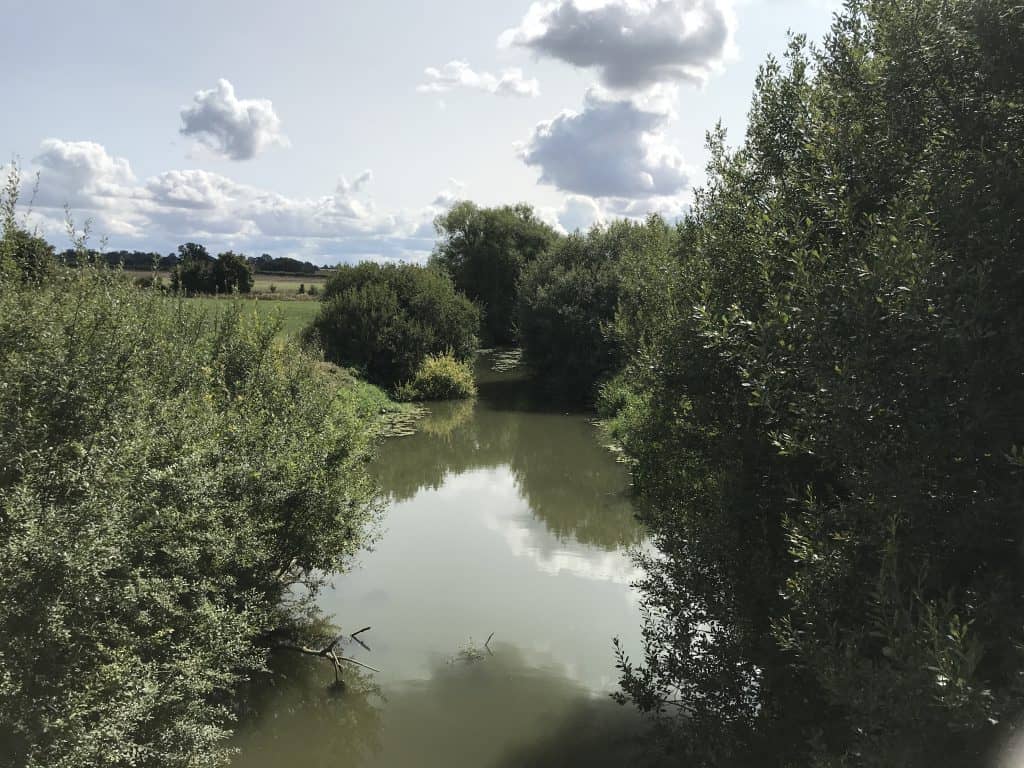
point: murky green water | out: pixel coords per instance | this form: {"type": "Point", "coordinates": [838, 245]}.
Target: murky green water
{"type": "Point", "coordinates": [506, 518]}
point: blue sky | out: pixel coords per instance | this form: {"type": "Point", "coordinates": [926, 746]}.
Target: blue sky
{"type": "Point", "coordinates": [336, 131]}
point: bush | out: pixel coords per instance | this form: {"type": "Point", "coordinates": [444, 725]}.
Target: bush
{"type": "Point", "coordinates": [166, 480]}
{"type": "Point", "coordinates": [385, 319]}
{"type": "Point", "coordinates": [440, 377]}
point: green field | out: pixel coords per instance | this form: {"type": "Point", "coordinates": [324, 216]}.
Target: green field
{"type": "Point", "coordinates": [295, 315]}
{"type": "Point", "coordinates": [263, 284]}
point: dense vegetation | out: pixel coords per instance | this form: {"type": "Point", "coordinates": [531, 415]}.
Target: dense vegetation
{"type": "Point", "coordinates": [165, 480]}
{"type": "Point", "coordinates": [816, 376]}
{"type": "Point", "coordinates": [386, 319]}
{"type": "Point", "coordinates": [484, 250]}
{"type": "Point", "coordinates": [198, 272]}
{"type": "Point", "coordinates": [568, 297]}
{"type": "Point", "coordinates": [822, 402]}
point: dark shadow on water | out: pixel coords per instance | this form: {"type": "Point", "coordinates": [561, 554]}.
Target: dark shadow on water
{"type": "Point", "coordinates": [296, 713]}
{"type": "Point", "coordinates": [497, 711]}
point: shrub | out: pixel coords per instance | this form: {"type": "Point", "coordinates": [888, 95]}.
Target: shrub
{"type": "Point", "coordinates": [166, 478]}
{"type": "Point", "coordinates": [440, 377]}
{"type": "Point", "coordinates": [385, 319]}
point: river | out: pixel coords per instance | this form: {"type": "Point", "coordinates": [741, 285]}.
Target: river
{"type": "Point", "coordinates": [506, 520]}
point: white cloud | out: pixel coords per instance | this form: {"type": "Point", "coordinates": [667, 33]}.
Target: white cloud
{"type": "Point", "coordinates": [236, 128]}
{"type": "Point", "coordinates": [346, 188]}
{"type": "Point", "coordinates": [447, 197]}
{"type": "Point", "coordinates": [458, 74]}
{"type": "Point", "coordinates": [180, 205]}
{"type": "Point", "coordinates": [580, 213]}
{"type": "Point", "coordinates": [612, 148]}
{"type": "Point", "coordinates": [632, 43]}
{"type": "Point", "coordinates": [83, 169]}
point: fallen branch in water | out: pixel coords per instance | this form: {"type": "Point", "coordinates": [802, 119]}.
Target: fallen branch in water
{"type": "Point", "coordinates": [355, 636]}
{"type": "Point", "coordinates": [487, 644]}
{"type": "Point", "coordinates": [328, 652]}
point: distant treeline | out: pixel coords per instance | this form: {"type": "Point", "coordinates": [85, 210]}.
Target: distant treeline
{"type": "Point", "coordinates": [265, 263]}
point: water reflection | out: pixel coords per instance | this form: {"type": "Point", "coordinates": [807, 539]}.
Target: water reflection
{"type": "Point", "coordinates": [506, 516]}
{"type": "Point", "coordinates": [563, 473]}
{"type": "Point", "coordinates": [503, 710]}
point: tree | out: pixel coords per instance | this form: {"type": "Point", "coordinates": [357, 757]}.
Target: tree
{"type": "Point", "coordinates": [198, 272]}
{"type": "Point", "coordinates": [822, 404]}
{"type": "Point", "coordinates": [232, 272]}
{"type": "Point", "coordinates": [485, 250]}
{"type": "Point", "coordinates": [194, 272]}
{"type": "Point", "coordinates": [567, 302]}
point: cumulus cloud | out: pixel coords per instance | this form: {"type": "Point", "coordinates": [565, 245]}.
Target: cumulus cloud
{"type": "Point", "coordinates": [612, 148]}
{"type": "Point", "coordinates": [580, 213]}
{"type": "Point", "coordinates": [632, 44]}
{"type": "Point", "coordinates": [236, 128]}
{"type": "Point", "coordinates": [180, 205]}
{"type": "Point", "coordinates": [82, 169]}
{"type": "Point", "coordinates": [345, 187]}
{"type": "Point", "coordinates": [458, 74]}
{"type": "Point", "coordinates": [449, 196]}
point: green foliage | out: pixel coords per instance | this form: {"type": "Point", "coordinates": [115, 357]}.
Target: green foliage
{"type": "Point", "coordinates": [567, 303]}
{"type": "Point", "coordinates": [166, 479]}
{"type": "Point", "coordinates": [24, 256]}
{"type": "Point", "coordinates": [485, 250]}
{"type": "Point", "coordinates": [385, 319]}
{"type": "Point", "coordinates": [823, 390]}
{"type": "Point", "coordinates": [197, 272]}
{"type": "Point", "coordinates": [440, 377]}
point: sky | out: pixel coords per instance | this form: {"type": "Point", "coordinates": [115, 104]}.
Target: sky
{"type": "Point", "coordinates": [335, 131]}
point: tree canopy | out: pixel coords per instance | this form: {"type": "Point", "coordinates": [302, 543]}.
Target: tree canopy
{"type": "Point", "coordinates": [485, 250]}
{"type": "Point", "coordinates": [821, 401]}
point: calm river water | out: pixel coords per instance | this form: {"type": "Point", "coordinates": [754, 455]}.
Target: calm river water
{"type": "Point", "coordinates": [507, 518]}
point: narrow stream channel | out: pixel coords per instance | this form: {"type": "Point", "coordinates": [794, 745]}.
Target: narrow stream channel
{"type": "Point", "coordinates": [505, 517]}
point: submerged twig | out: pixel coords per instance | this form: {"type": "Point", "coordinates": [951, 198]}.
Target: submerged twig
{"type": "Point", "coordinates": [328, 652]}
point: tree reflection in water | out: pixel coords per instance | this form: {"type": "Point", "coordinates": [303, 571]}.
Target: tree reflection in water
{"type": "Point", "coordinates": [565, 475]}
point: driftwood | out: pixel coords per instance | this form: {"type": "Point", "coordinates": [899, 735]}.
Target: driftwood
{"type": "Point", "coordinates": [333, 656]}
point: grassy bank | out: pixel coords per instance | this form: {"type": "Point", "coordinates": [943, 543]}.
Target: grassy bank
{"type": "Point", "coordinates": [294, 315]}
